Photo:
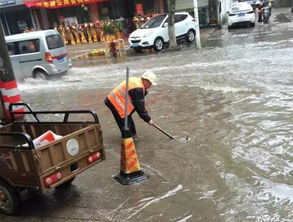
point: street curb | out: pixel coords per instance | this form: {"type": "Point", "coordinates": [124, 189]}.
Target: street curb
{"type": "Point", "coordinates": [127, 49]}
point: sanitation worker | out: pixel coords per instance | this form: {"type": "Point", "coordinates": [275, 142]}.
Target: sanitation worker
{"type": "Point", "coordinates": [137, 90]}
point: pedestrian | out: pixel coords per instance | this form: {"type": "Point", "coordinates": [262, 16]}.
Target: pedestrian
{"type": "Point", "coordinates": [260, 11]}
{"type": "Point", "coordinates": [31, 47]}
{"type": "Point", "coordinates": [137, 90]}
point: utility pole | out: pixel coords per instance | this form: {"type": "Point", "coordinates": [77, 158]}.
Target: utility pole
{"type": "Point", "coordinates": [197, 32]}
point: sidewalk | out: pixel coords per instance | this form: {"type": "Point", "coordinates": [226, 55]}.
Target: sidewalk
{"type": "Point", "coordinates": [82, 50]}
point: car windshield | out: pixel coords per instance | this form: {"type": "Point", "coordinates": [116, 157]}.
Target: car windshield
{"type": "Point", "coordinates": [54, 42]}
{"type": "Point", "coordinates": [235, 9]}
{"type": "Point", "coordinates": [154, 22]}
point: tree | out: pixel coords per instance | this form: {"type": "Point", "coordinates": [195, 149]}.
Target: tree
{"type": "Point", "coordinates": [171, 22]}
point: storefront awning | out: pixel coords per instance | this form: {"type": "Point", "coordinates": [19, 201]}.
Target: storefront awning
{"type": "Point", "coordinates": [51, 4]}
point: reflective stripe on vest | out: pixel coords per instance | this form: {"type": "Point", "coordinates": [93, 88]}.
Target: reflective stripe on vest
{"type": "Point", "coordinates": [117, 96]}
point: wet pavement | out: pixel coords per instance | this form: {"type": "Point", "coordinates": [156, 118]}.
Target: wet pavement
{"type": "Point", "coordinates": [233, 99]}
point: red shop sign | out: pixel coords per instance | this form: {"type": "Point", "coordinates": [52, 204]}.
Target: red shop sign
{"type": "Point", "coordinates": [51, 4]}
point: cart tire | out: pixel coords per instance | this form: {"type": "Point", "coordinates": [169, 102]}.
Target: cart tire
{"type": "Point", "coordinates": [65, 184]}
{"type": "Point", "coordinates": [9, 199]}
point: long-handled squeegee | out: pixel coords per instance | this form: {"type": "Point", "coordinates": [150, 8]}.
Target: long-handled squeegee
{"type": "Point", "coordinates": [163, 131]}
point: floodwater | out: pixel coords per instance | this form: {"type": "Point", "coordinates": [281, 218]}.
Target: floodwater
{"type": "Point", "coordinates": [232, 100]}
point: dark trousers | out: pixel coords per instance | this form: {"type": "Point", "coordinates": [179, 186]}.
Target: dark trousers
{"type": "Point", "coordinates": [121, 121]}
{"type": "Point", "coordinates": [260, 15]}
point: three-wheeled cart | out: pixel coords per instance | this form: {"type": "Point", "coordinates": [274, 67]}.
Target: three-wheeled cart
{"type": "Point", "coordinates": [24, 166]}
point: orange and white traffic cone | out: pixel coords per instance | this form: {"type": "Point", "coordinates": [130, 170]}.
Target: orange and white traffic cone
{"type": "Point", "coordinates": [130, 172]}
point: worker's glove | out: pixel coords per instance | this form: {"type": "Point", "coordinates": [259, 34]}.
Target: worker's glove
{"type": "Point", "coordinates": [150, 122]}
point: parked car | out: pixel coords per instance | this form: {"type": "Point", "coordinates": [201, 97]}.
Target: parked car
{"type": "Point", "coordinates": [241, 13]}
{"type": "Point", "coordinates": [37, 54]}
{"type": "Point", "coordinates": [154, 33]}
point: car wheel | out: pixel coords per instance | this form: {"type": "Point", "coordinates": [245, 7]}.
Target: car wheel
{"type": "Point", "coordinates": [137, 50]}
{"type": "Point", "coordinates": [39, 74]}
{"type": "Point", "coordinates": [9, 199]}
{"type": "Point", "coordinates": [190, 35]}
{"type": "Point", "coordinates": [158, 44]}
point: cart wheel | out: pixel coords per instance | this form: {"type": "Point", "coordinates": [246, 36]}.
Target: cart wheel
{"type": "Point", "coordinates": [9, 199]}
{"type": "Point", "coordinates": [65, 184]}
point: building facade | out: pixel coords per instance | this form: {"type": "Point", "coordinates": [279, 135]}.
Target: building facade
{"type": "Point", "coordinates": [210, 12]}
{"type": "Point", "coordinates": [20, 15]}
{"type": "Point", "coordinates": [17, 16]}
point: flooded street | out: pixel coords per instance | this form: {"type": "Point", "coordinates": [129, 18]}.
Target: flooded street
{"type": "Point", "coordinates": [234, 101]}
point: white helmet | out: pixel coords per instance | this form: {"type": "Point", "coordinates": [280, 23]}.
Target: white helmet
{"type": "Point", "coordinates": [150, 76]}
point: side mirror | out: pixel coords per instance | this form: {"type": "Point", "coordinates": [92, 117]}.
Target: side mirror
{"type": "Point", "coordinates": [165, 24]}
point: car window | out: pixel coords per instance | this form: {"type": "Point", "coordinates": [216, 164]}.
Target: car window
{"type": "Point", "coordinates": [54, 41]}
{"type": "Point", "coordinates": [179, 18]}
{"type": "Point", "coordinates": [154, 22]}
{"type": "Point", "coordinates": [24, 47]}
{"type": "Point", "coordinates": [235, 9]}
{"type": "Point", "coordinates": [241, 7]}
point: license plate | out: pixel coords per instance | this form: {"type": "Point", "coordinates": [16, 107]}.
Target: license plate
{"type": "Point", "coordinates": [134, 45]}
{"type": "Point", "coordinates": [241, 14]}
{"type": "Point", "coordinates": [61, 60]}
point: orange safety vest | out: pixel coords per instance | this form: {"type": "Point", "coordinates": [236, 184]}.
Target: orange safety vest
{"type": "Point", "coordinates": [117, 96]}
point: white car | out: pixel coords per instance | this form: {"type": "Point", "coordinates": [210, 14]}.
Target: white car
{"type": "Point", "coordinates": [154, 33]}
{"type": "Point", "coordinates": [241, 13]}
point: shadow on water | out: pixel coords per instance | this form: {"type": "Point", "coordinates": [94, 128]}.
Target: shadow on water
{"type": "Point", "coordinates": [40, 205]}
{"type": "Point", "coordinates": [282, 18]}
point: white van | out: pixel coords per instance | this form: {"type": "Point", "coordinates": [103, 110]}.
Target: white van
{"type": "Point", "coordinates": [37, 54]}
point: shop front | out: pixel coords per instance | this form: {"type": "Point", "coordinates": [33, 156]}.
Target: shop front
{"type": "Point", "coordinates": [81, 21]}
{"type": "Point", "coordinates": [85, 11]}
{"type": "Point", "coordinates": [17, 16]}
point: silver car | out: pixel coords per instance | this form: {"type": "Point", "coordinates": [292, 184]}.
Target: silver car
{"type": "Point", "coordinates": [37, 54]}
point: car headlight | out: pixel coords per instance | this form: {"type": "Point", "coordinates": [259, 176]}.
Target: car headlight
{"type": "Point", "coordinates": [147, 35]}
